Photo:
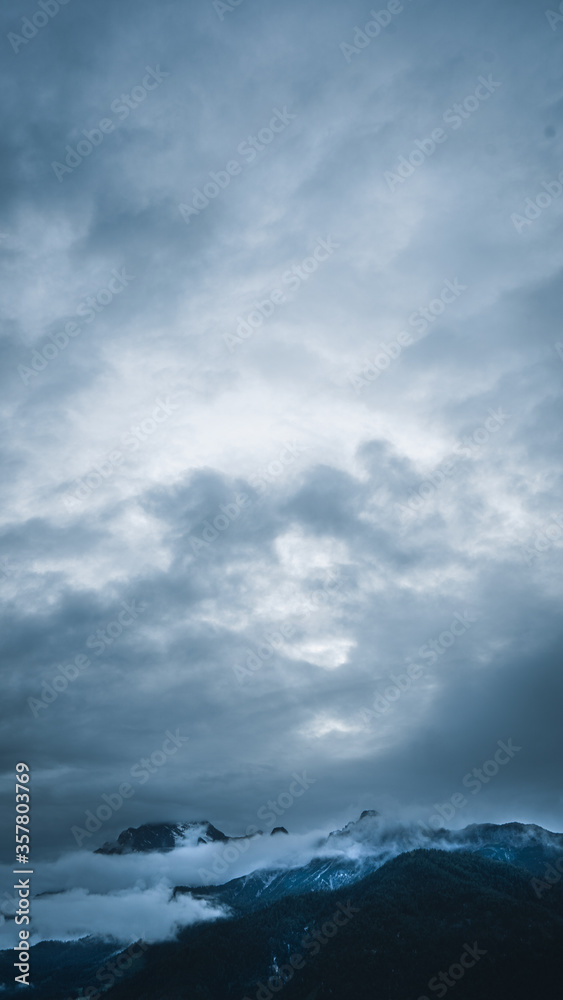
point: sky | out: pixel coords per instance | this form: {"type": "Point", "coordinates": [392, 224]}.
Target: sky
{"type": "Point", "coordinates": [282, 372]}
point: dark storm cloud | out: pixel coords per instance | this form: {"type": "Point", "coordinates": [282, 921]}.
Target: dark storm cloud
{"type": "Point", "coordinates": [351, 534]}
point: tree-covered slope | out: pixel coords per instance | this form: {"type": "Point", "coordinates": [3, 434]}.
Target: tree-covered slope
{"type": "Point", "coordinates": [406, 923]}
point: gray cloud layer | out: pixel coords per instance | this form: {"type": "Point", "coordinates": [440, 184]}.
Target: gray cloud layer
{"type": "Point", "coordinates": [279, 479]}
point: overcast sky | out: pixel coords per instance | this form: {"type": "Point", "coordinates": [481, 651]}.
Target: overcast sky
{"type": "Point", "coordinates": [384, 435]}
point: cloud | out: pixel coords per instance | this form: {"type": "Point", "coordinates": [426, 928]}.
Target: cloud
{"type": "Point", "coordinates": [130, 897]}
{"type": "Point", "coordinates": [125, 916]}
{"type": "Point", "coordinates": [336, 514]}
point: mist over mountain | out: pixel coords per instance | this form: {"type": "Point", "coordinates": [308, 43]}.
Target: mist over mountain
{"type": "Point", "coordinates": [402, 903]}
{"type": "Point", "coordinates": [393, 933]}
{"type": "Point", "coordinates": [404, 883]}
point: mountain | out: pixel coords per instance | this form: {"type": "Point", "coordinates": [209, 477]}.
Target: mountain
{"type": "Point", "coordinates": [424, 915]}
{"type": "Point", "coordinates": [162, 837]}
{"type": "Point", "coordinates": [259, 888]}
{"type": "Point", "coordinates": [530, 847]}
{"type": "Point", "coordinates": [381, 838]}
{"type": "Point", "coordinates": [58, 968]}
{"type": "Point", "coordinates": [383, 909]}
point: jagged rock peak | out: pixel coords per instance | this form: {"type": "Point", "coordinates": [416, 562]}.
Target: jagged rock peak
{"type": "Point", "coordinates": [350, 827]}
{"type": "Point", "coordinates": [162, 837]}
